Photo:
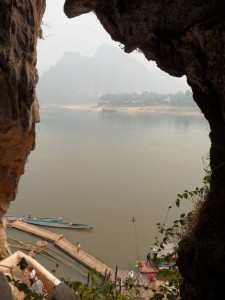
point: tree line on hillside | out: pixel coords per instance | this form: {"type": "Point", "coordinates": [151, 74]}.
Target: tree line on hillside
{"type": "Point", "coordinates": [179, 99]}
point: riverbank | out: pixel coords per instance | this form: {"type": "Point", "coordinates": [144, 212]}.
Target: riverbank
{"type": "Point", "coordinates": [117, 275]}
{"type": "Point", "coordinates": [136, 109]}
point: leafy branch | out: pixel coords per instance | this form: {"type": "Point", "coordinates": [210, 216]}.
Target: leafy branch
{"type": "Point", "coordinates": [173, 234]}
{"type": "Point", "coordinates": [40, 31]}
{"type": "Point", "coordinates": [104, 288]}
{"type": "Point", "coordinates": [197, 196]}
{"type": "Point", "coordinates": [23, 287]}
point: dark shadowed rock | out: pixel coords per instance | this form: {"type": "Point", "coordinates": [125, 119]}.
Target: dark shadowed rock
{"type": "Point", "coordinates": [19, 24]}
{"type": "Point", "coordinates": [5, 290]}
{"type": "Point", "coordinates": [63, 292]}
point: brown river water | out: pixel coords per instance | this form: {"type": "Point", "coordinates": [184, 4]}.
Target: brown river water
{"type": "Point", "coordinates": [104, 168]}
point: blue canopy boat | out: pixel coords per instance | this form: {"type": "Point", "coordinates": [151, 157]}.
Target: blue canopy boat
{"type": "Point", "coordinates": [49, 222]}
{"type": "Point", "coordinates": [59, 224]}
{"type": "Point", "coordinates": [25, 218]}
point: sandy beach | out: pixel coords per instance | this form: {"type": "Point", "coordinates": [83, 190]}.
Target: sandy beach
{"type": "Point", "coordinates": [160, 110]}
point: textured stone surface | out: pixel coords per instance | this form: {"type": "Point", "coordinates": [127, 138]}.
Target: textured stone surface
{"type": "Point", "coordinates": [19, 23]}
{"type": "Point", "coordinates": [184, 38]}
{"type": "Point", "coordinates": [5, 290]}
{"type": "Point", "coordinates": [62, 292]}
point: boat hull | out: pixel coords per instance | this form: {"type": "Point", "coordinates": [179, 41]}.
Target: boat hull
{"type": "Point", "coordinates": [24, 218]}
{"type": "Point", "coordinates": [60, 225]}
{"type": "Point", "coordinates": [49, 222]}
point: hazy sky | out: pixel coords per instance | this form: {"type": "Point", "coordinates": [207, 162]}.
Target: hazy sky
{"type": "Point", "coordinates": [83, 34]}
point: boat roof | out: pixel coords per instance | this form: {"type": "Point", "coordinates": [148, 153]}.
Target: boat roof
{"type": "Point", "coordinates": [168, 249]}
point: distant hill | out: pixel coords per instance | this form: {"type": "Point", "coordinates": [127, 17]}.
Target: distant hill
{"type": "Point", "coordinates": [78, 79]}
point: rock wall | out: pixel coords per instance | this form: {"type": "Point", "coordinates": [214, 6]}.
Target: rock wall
{"type": "Point", "coordinates": [184, 38]}
{"type": "Point", "coordinates": [19, 24]}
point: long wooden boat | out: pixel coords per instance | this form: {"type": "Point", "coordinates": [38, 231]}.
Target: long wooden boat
{"type": "Point", "coordinates": [66, 225]}
{"type": "Point", "coordinates": [25, 218]}
{"type": "Point", "coordinates": [49, 222]}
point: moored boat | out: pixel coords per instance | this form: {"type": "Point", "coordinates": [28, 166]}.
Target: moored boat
{"type": "Point", "coordinates": [49, 222]}
{"type": "Point", "coordinates": [59, 224]}
{"type": "Point", "coordinates": [166, 257]}
{"type": "Point", "coordinates": [25, 218]}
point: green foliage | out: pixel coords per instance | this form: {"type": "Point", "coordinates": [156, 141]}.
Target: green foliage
{"type": "Point", "coordinates": [172, 234]}
{"type": "Point", "coordinates": [22, 287]}
{"type": "Point", "coordinates": [40, 32]}
{"type": "Point", "coordinates": [93, 289]}
{"type": "Point", "coordinates": [99, 288]}
{"type": "Point", "coordinates": [148, 99]}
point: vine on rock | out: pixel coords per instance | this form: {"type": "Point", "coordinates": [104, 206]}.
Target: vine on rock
{"type": "Point", "coordinates": [171, 235]}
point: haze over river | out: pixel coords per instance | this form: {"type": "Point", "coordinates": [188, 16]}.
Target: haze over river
{"type": "Point", "coordinates": [103, 168]}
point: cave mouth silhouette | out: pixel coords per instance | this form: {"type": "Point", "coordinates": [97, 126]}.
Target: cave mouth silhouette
{"type": "Point", "coordinates": [184, 38]}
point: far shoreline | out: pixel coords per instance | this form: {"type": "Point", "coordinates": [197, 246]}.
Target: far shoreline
{"type": "Point", "coordinates": [159, 110]}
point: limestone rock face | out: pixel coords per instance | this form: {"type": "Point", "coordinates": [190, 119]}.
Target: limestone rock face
{"type": "Point", "coordinates": [62, 292]}
{"type": "Point", "coordinates": [184, 38]}
{"type": "Point", "coordinates": [5, 289]}
{"type": "Point", "coordinates": [19, 24]}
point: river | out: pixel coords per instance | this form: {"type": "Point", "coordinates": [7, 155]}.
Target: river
{"type": "Point", "coordinates": [106, 168]}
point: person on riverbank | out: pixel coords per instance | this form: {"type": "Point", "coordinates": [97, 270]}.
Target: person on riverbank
{"type": "Point", "coordinates": [37, 286]}
{"type": "Point", "coordinates": [23, 265]}
{"type": "Point", "coordinates": [148, 259]}
{"type": "Point", "coordinates": [139, 279]}
{"type": "Point", "coordinates": [152, 277]}
{"type": "Point", "coordinates": [78, 246]}
{"type": "Point", "coordinates": [32, 275]}
{"type": "Point", "coordinates": [131, 275]}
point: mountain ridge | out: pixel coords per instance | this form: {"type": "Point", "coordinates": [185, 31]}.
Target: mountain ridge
{"type": "Point", "coordinates": [108, 71]}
